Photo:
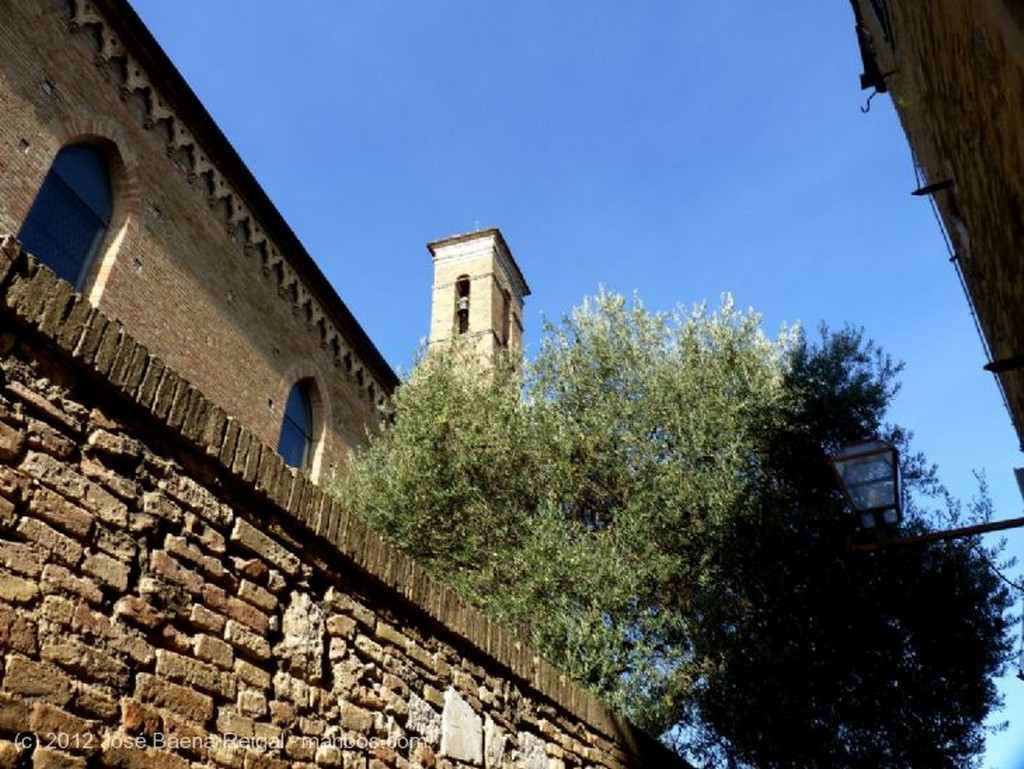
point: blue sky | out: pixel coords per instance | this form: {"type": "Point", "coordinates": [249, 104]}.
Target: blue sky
{"type": "Point", "coordinates": [679, 150]}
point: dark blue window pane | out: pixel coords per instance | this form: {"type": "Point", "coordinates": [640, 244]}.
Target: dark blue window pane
{"type": "Point", "coordinates": [83, 169]}
{"type": "Point", "coordinates": [296, 443]}
{"type": "Point", "coordinates": [71, 213]}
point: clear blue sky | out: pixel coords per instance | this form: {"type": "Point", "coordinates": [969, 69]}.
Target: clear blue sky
{"type": "Point", "coordinates": [679, 150]}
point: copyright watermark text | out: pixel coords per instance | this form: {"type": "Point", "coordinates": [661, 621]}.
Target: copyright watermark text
{"type": "Point", "coordinates": [88, 742]}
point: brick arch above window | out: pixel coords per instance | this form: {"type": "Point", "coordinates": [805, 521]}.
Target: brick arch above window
{"type": "Point", "coordinates": [124, 165]}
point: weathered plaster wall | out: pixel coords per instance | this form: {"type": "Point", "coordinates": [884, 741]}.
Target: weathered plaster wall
{"type": "Point", "coordinates": [171, 595]}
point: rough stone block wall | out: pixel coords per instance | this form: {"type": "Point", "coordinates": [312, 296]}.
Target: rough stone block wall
{"type": "Point", "coordinates": [172, 596]}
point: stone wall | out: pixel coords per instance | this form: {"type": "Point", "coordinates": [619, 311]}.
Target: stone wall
{"type": "Point", "coordinates": [171, 595]}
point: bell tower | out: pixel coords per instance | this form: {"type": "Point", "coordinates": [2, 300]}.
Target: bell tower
{"type": "Point", "coordinates": [478, 293]}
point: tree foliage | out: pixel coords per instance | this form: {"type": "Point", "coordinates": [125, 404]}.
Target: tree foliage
{"type": "Point", "coordinates": [881, 659]}
{"type": "Point", "coordinates": [650, 503]}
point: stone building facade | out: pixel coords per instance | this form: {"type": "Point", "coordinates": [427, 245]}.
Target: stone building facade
{"type": "Point", "coordinates": [955, 71]}
{"type": "Point", "coordinates": [193, 258]}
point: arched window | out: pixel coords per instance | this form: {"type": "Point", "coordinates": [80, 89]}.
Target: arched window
{"type": "Point", "coordinates": [71, 212]}
{"type": "Point", "coordinates": [296, 443]}
{"type": "Point", "coordinates": [462, 304]}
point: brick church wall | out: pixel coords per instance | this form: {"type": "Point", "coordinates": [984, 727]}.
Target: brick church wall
{"type": "Point", "coordinates": [197, 263]}
{"type": "Point", "coordinates": [171, 595]}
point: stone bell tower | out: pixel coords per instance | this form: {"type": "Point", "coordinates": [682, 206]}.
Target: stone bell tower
{"type": "Point", "coordinates": [478, 293]}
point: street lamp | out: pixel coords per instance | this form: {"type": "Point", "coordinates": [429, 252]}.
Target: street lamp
{"type": "Point", "coordinates": [869, 476]}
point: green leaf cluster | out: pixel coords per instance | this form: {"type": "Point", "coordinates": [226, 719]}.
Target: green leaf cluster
{"type": "Point", "coordinates": [649, 503]}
